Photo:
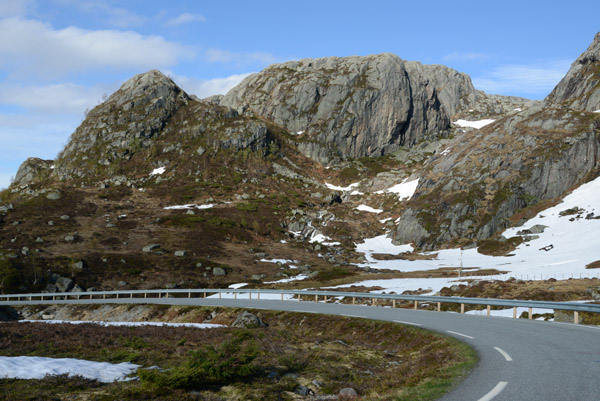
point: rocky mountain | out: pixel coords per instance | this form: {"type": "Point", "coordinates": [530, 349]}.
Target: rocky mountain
{"type": "Point", "coordinates": [158, 188]}
{"type": "Point", "coordinates": [361, 106]}
{"type": "Point", "coordinates": [580, 88]}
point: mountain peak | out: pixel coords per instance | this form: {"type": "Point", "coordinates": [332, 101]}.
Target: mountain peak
{"type": "Point", "coordinates": [151, 84]}
{"type": "Point", "coordinates": [580, 88]}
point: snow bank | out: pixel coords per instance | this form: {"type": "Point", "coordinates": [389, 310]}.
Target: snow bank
{"type": "Point", "coordinates": [35, 367]}
{"type": "Point", "coordinates": [289, 280]}
{"type": "Point", "coordinates": [344, 189]}
{"type": "Point", "coordinates": [473, 124]}
{"type": "Point", "coordinates": [128, 324]}
{"type": "Point", "coordinates": [596, 111]}
{"type": "Point", "coordinates": [158, 171]}
{"type": "Point", "coordinates": [365, 208]}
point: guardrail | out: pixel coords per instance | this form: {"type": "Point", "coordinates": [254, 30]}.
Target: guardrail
{"type": "Point", "coordinates": [49, 298]}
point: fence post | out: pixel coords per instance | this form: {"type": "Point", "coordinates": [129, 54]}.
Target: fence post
{"type": "Point", "coordinates": [416, 304]}
{"type": "Point", "coordinates": [530, 313]}
{"type": "Point", "coordinates": [393, 303]}
{"type": "Point", "coordinates": [189, 294]}
{"type": "Point", "coordinates": [488, 310]}
{"type": "Point", "coordinates": [439, 306]}
{"type": "Point", "coordinates": [258, 295]}
{"type": "Point", "coordinates": [372, 301]}
{"type": "Point", "coordinates": [131, 295]}
{"type": "Point", "coordinates": [220, 294]}
{"type": "Point", "coordinates": [353, 300]}
{"type": "Point", "coordinates": [576, 317]}
{"type": "Point", "coordinates": [316, 298]}
{"type": "Point", "coordinates": [462, 308]}
{"type": "Point", "coordinates": [514, 312]}
{"type": "Point", "coordinates": [282, 296]}
{"type": "Point", "coordinates": [145, 295]}
{"type": "Point", "coordinates": [235, 295]}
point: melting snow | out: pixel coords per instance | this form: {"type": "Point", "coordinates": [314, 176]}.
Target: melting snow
{"type": "Point", "coordinates": [405, 190]}
{"type": "Point", "coordinates": [158, 171]}
{"type": "Point", "coordinates": [320, 238]}
{"type": "Point", "coordinates": [385, 220]}
{"type": "Point", "coordinates": [473, 124]}
{"type": "Point", "coordinates": [356, 193]}
{"type": "Point", "coordinates": [236, 286]}
{"type": "Point", "coordinates": [445, 152]}
{"type": "Point", "coordinates": [282, 261]}
{"type": "Point", "coordinates": [596, 111]}
{"type": "Point", "coordinates": [517, 109]}
{"type": "Point", "coordinates": [189, 206]}
{"type": "Point", "coordinates": [369, 209]}
{"type": "Point", "coordinates": [574, 245]}
{"type": "Point", "coordinates": [128, 324]}
{"type": "Point", "coordinates": [344, 189]}
{"type": "Point", "coordinates": [288, 280]}
{"type": "Point", "coordinates": [35, 367]}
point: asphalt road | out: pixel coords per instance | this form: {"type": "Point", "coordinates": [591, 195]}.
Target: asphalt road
{"type": "Point", "coordinates": [520, 359]}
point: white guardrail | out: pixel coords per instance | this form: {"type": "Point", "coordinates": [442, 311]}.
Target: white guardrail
{"type": "Point", "coordinates": [141, 295]}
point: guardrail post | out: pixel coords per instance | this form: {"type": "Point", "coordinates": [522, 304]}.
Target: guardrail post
{"type": "Point", "coordinates": [282, 296]}
{"type": "Point", "coordinates": [220, 295]}
{"type": "Point", "coordinates": [575, 317]}
{"type": "Point", "coordinates": [488, 310]}
{"type": "Point", "coordinates": [439, 306]}
{"type": "Point", "coordinates": [117, 296]}
{"type": "Point", "coordinates": [462, 308]}
{"type": "Point", "coordinates": [530, 313]}
{"type": "Point", "coordinates": [416, 304]}
{"type": "Point", "coordinates": [258, 295]}
{"type": "Point", "coordinates": [235, 295]}
{"type": "Point", "coordinates": [145, 295]}
{"type": "Point", "coordinates": [54, 297]}
{"type": "Point", "coordinates": [131, 295]}
{"type": "Point", "coordinates": [249, 295]}
{"type": "Point", "coordinates": [393, 303]}
{"type": "Point", "coordinates": [353, 300]}
{"type": "Point", "coordinates": [316, 298]}
{"type": "Point", "coordinates": [514, 312]}
{"type": "Point", "coordinates": [373, 301]}
{"type": "Point", "coordinates": [103, 296]}
{"type": "Point", "coordinates": [204, 295]}
{"type": "Point", "coordinates": [189, 294]}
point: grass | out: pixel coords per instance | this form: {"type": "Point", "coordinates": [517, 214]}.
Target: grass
{"type": "Point", "coordinates": [405, 362]}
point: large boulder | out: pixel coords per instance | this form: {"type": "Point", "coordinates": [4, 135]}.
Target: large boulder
{"type": "Point", "coordinates": [33, 170]}
{"type": "Point", "coordinates": [248, 320]}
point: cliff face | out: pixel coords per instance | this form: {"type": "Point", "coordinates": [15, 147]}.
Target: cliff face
{"type": "Point", "coordinates": [580, 88]}
{"type": "Point", "coordinates": [362, 106]}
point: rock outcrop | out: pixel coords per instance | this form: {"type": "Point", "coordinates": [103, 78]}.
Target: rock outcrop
{"type": "Point", "coordinates": [361, 106]}
{"type": "Point", "coordinates": [580, 88]}
{"type": "Point", "coordinates": [33, 170]}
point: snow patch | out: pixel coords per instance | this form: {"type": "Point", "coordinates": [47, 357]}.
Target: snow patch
{"type": "Point", "coordinates": [127, 324]}
{"type": "Point", "coordinates": [299, 277]}
{"type": "Point", "coordinates": [385, 220]}
{"type": "Point", "coordinates": [35, 367]}
{"type": "Point", "coordinates": [189, 206]}
{"type": "Point", "coordinates": [343, 189]}
{"type": "Point", "coordinates": [158, 171]}
{"type": "Point", "coordinates": [355, 192]}
{"type": "Point", "coordinates": [474, 124]}
{"type": "Point", "coordinates": [236, 286]}
{"type": "Point", "coordinates": [596, 111]}
{"type": "Point", "coordinates": [282, 261]}
{"type": "Point", "coordinates": [365, 208]}
{"type": "Point", "coordinates": [445, 152]}
{"type": "Point", "coordinates": [405, 190]}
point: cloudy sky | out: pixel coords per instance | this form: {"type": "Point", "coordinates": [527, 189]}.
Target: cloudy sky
{"type": "Point", "coordinates": [59, 57]}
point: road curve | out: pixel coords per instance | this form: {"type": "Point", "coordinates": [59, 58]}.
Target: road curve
{"type": "Point", "coordinates": [520, 359]}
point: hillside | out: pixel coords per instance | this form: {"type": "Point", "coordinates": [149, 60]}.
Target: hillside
{"type": "Point", "coordinates": [279, 179]}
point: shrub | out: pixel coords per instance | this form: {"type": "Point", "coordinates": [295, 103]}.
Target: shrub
{"type": "Point", "coordinates": [593, 265]}
{"type": "Point", "coordinates": [226, 363]}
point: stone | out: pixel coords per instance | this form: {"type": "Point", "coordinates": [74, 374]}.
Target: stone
{"type": "Point", "coordinates": [190, 212]}
{"type": "Point", "coordinates": [151, 248]}
{"type": "Point", "coordinates": [181, 254]}
{"type": "Point", "coordinates": [64, 284]}
{"type": "Point", "coordinates": [69, 238]}
{"type": "Point", "coordinates": [273, 376]}
{"type": "Point", "coordinates": [218, 271]}
{"type": "Point", "coordinates": [39, 240]}
{"type": "Point", "coordinates": [32, 170]}
{"type": "Point", "coordinates": [594, 292]}
{"type": "Point", "coordinates": [77, 288]}
{"type": "Point", "coordinates": [537, 229]}
{"type": "Point", "coordinates": [303, 391]}
{"type": "Point", "coordinates": [8, 313]}
{"type": "Point", "coordinates": [54, 195]}
{"type": "Point", "coordinates": [122, 283]}
{"type": "Point", "coordinates": [65, 217]}
{"type": "Point", "coordinates": [25, 251]}
{"type": "Point", "coordinates": [348, 393]}
{"type": "Point", "coordinates": [258, 277]}
{"type": "Point", "coordinates": [51, 288]}
{"type": "Point", "coordinates": [248, 320]}
{"type": "Point", "coordinates": [79, 265]}
{"type": "Point", "coordinates": [200, 151]}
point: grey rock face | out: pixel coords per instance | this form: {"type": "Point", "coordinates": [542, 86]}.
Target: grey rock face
{"type": "Point", "coordinates": [363, 106]}
{"type": "Point", "coordinates": [580, 89]}
{"type": "Point", "coordinates": [115, 129]}
{"type": "Point", "coordinates": [32, 170]}
{"type": "Point", "coordinates": [247, 319]}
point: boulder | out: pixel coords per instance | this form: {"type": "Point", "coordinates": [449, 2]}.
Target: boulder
{"type": "Point", "coordinates": [248, 320]}
{"type": "Point", "coordinates": [151, 248]}
{"type": "Point", "coordinates": [594, 292]}
{"type": "Point", "coordinates": [348, 393]}
{"type": "Point", "coordinates": [8, 313]}
{"type": "Point", "coordinates": [64, 284]}
{"type": "Point", "coordinates": [218, 271]}
{"type": "Point", "coordinates": [181, 254]}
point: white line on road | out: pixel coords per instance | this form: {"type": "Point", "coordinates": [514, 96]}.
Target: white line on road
{"type": "Point", "coordinates": [495, 391]}
{"type": "Point", "coordinates": [504, 354]}
{"type": "Point", "coordinates": [459, 334]}
{"type": "Point", "coordinates": [363, 317]}
{"type": "Point", "coordinates": [412, 324]}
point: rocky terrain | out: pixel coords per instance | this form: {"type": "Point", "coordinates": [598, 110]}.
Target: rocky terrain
{"type": "Point", "coordinates": [271, 182]}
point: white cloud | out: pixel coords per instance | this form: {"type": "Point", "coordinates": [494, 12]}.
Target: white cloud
{"type": "Point", "coordinates": [30, 46]}
{"type": "Point", "coordinates": [5, 180]}
{"type": "Point", "coordinates": [15, 8]}
{"type": "Point", "coordinates": [184, 19]}
{"type": "Point", "coordinates": [537, 79]}
{"type": "Point", "coordinates": [115, 16]}
{"type": "Point", "coordinates": [466, 56]}
{"type": "Point", "coordinates": [205, 88]}
{"type": "Point", "coordinates": [224, 56]}
{"type": "Point", "coordinates": [62, 97]}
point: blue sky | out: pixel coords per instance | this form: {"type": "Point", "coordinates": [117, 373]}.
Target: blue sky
{"type": "Point", "coordinates": [58, 57]}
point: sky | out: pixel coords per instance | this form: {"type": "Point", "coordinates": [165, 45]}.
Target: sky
{"type": "Point", "coordinates": [59, 57]}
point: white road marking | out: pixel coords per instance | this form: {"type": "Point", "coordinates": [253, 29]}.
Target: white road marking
{"type": "Point", "coordinates": [504, 354]}
{"type": "Point", "coordinates": [363, 317]}
{"type": "Point", "coordinates": [412, 324]}
{"type": "Point", "coordinates": [495, 391]}
{"type": "Point", "coordinates": [459, 334]}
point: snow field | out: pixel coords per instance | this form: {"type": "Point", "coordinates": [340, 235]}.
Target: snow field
{"type": "Point", "coordinates": [474, 124]}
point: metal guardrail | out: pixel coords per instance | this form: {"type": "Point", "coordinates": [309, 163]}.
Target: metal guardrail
{"type": "Point", "coordinates": [47, 298]}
